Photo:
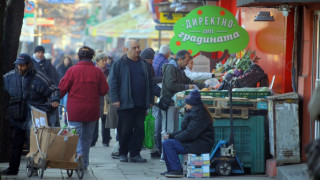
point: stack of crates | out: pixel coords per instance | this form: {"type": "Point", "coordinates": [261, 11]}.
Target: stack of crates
{"type": "Point", "coordinates": [249, 112]}
{"type": "Point", "coordinates": [197, 166]}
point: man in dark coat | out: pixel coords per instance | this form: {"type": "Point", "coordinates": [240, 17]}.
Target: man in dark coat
{"type": "Point", "coordinates": [40, 63]}
{"type": "Point", "coordinates": [32, 87]}
{"type": "Point", "coordinates": [175, 80]}
{"type": "Point", "coordinates": [131, 92]}
{"type": "Point", "coordinates": [196, 135]}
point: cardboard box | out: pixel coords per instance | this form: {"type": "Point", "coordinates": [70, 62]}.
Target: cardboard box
{"type": "Point", "coordinates": [39, 118]}
{"type": "Point", "coordinates": [197, 160]}
{"type": "Point", "coordinates": [54, 146]}
{"type": "Point", "coordinates": [198, 171]}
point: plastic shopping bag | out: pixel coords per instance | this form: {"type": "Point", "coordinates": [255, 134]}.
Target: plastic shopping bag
{"type": "Point", "coordinates": [148, 141]}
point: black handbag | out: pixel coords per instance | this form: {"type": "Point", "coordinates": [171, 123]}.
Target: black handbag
{"type": "Point", "coordinates": [165, 102]}
{"type": "Point", "coordinates": [17, 109]}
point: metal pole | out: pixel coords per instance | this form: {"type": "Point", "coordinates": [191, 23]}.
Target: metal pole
{"type": "Point", "coordinates": [231, 140]}
{"type": "Point", "coordinates": [159, 39]}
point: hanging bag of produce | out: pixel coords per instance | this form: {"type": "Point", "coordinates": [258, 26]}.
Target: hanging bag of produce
{"type": "Point", "coordinates": [148, 141]}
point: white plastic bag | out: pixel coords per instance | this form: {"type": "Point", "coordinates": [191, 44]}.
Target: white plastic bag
{"type": "Point", "coordinates": [213, 82]}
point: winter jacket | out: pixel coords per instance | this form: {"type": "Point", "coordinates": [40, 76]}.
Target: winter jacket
{"type": "Point", "coordinates": [175, 80]}
{"type": "Point", "coordinates": [196, 134]}
{"type": "Point", "coordinates": [120, 88]}
{"type": "Point", "coordinates": [84, 84]}
{"type": "Point", "coordinates": [61, 70]}
{"type": "Point", "coordinates": [41, 88]}
{"type": "Point", "coordinates": [48, 69]}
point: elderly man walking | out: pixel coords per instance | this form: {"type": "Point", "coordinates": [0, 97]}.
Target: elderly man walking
{"type": "Point", "coordinates": [131, 93]}
{"type": "Point", "coordinates": [84, 84]}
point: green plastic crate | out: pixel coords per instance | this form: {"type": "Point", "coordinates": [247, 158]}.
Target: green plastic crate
{"type": "Point", "coordinates": [249, 140]}
{"type": "Point", "coordinates": [243, 94]}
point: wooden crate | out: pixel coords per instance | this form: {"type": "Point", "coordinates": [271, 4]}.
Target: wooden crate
{"type": "Point", "coordinates": [251, 104]}
{"type": "Point", "coordinates": [217, 112]}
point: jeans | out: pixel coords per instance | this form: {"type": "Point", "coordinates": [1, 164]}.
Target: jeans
{"type": "Point", "coordinates": [17, 147]}
{"type": "Point", "coordinates": [104, 131]}
{"type": "Point", "coordinates": [131, 130]}
{"type": "Point", "coordinates": [156, 112]}
{"type": "Point", "coordinates": [63, 102]}
{"type": "Point", "coordinates": [171, 149]}
{"type": "Point", "coordinates": [85, 130]}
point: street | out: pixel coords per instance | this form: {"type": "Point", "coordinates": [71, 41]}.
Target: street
{"type": "Point", "coordinates": [103, 166]}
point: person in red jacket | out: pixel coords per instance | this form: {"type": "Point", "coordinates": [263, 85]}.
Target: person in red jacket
{"type": "Point", "coordinates": [85, 83]}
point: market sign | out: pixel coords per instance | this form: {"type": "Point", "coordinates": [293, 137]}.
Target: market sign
{"type": "Point", "coordinates": [29, 6]}
{"type": "Point", "coordinates": [209, 29]}
{"type": "Point", "coordinates": [41, 21]}
{"type": "Point", "coordinates": [171, 17]}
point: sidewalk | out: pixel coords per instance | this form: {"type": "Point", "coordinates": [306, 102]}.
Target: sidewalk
{"type": "Point", "coordinates": [102, 166]}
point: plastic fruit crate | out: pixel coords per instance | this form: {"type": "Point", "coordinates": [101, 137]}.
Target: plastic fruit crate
{"type": "Point", "coordinates": [249, 140]}
{"type": "Point", "coordinates": [243, 94]}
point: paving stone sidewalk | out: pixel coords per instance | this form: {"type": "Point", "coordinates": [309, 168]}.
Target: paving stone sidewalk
{"type": "Point", "coordinates": [103, 166]}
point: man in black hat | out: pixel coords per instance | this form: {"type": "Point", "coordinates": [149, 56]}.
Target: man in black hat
{"type": "Point", "coordinates": [40, 63]}
{"type": "Point", "coordinates": [148, 55]}
{"type": "Point", "coordinates": [26, 86]}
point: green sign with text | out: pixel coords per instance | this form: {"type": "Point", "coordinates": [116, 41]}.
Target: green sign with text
{"type": "Point", "coordinates": [209, 29]}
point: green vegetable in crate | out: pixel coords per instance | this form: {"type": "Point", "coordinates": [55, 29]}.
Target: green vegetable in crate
{"type": "Point", "coordinates": [244, 64]}
{"type": "Point", "coordinates": [220, 69]}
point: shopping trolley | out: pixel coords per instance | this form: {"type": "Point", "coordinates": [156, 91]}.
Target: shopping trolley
{"type": "Point", "coordinates": [52, 147]}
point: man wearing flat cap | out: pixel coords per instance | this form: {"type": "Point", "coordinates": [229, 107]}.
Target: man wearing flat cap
{"type": "Point", "coordinates": [26, 86]}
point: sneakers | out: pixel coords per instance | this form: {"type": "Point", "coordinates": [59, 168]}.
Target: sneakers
{"type": "Point", "coordinates": [115, 155]}
{"type": "Point", "coordinates": [155, 155]}
{"type": "Point", "coordinates": [9, 172]}
{"type": "Point", "coordinates": [163, 173]}
{"type": "Point", "coordinates": [123, 158]}
{"type": "Point", "coordinates": [138, 159]}
{"type": "Point", "coordinates": [174, 174]}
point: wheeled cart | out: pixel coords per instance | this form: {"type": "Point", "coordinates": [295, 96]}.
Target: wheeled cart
{"type": "Point", "coordinates": [52, 147]}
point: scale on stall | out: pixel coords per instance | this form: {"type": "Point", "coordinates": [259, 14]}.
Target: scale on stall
{"type": "Point", "coordinates": [223, 158]}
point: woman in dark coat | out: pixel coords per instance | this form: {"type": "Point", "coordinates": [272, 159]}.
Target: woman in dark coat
{"type": "Point", "coordinates": [62, 68]}
{"type": "Point", "coordinates": [196, 135]}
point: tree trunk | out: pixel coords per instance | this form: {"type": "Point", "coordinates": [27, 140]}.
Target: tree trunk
{"type": "Point", "coordinates": [11, 18]}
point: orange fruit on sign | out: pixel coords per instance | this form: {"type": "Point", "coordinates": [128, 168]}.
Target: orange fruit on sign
{"type": "Point", "coordinates": [178, 43]}
{"type": "Point", "coordinates": [222, 13]}
{"type": "Point", "coordinates": [199, 12]}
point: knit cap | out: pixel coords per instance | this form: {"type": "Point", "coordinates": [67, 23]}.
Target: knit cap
{"type": "Point", "coordinates": [194, 98]}
{"type": "Point", "coordinates": [147, 53]}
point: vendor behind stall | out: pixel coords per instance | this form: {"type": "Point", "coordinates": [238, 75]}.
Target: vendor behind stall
{"type": "Point", "coordinates": [197, 76]}
{"type": "Point", "coordinates": [196, 135]}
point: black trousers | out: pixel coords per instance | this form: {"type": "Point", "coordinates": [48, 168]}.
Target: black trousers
{"type": "Point", "coordinates": [19, 137]}
{"type": "Point", "coordinates": [104, 131]}
{"type": "Point", "coordinates": [131, 130]}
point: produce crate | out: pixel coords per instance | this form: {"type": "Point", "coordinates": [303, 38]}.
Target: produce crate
{"type": "Point", "coordinates": [217, 112]}
{"type": "Point", "coordinates": [249, 140]}
{"type": "Point", "coordinates": [243, 94]}
{"type": "Point", "coordinates": [252, 104]}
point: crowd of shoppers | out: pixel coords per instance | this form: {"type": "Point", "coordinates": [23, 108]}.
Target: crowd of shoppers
{"type": "Point", "coordinates": [137, 81]}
